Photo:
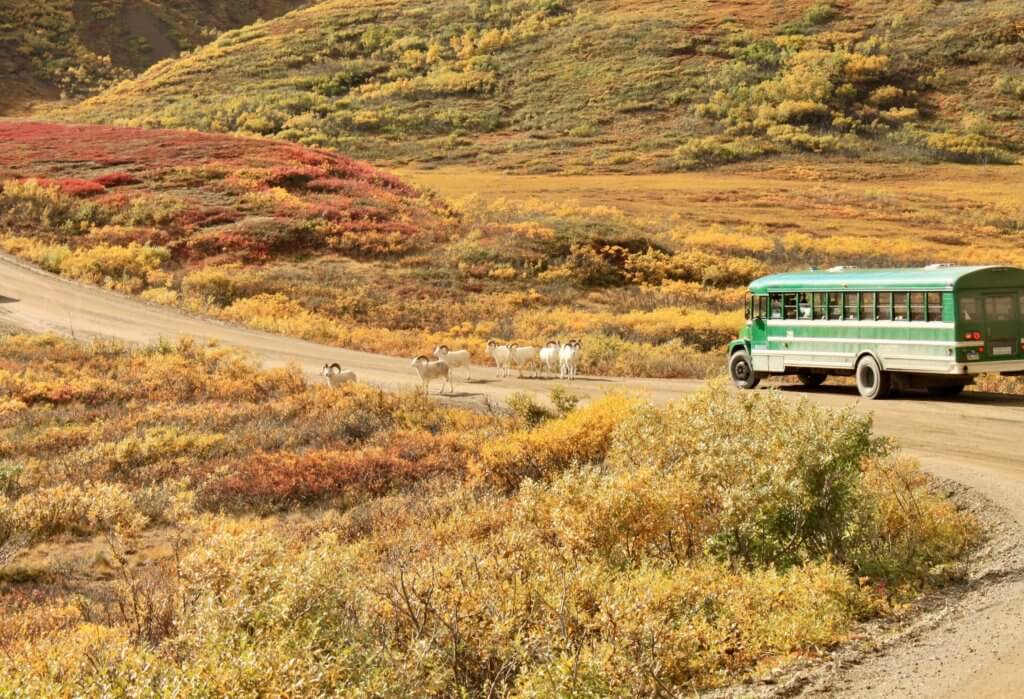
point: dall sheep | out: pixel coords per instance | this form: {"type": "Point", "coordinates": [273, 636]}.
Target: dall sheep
{"type": "Point", "coordinates": [336, 376]}
{"type": "Point", "coordinates": [458, 358]}
{"type": "Point", "coordinates": [549, 357]}
{"type": "Point", "coordinates": [521, 356]}
{"type": "Point", "coordinates": [501, 355]}
{"type": "Point", "coordinates": [433, 369]}
{"type": "Point", "coordinates": [568, 359]}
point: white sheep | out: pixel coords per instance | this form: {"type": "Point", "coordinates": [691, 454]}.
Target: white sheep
{"type": "Point", "coordinates": [521, 356]}
{"type": "Point", "coordinates": [501, 355]}
{"type": "Point", "coordinates": [433, 369]}
{"type": "Point", "coordinates": [336, 376]}
{"type": "Point", "coordinates": [458, 358]}
{"type": "Point", "coordinates": [568, 359]}
{"type": "Point", "coordinates": [549, 357]}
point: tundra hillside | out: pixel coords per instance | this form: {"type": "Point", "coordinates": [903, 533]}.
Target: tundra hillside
{"type": "Point", "coordinates": [597, 85]}
{"type": "Point", "coordinates": [174, 521]}
{"type": "Point", "coordinates": [311, 244]}
{"type": "Point", "coordinates": [71, 48]}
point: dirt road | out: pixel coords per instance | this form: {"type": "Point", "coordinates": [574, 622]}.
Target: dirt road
{"type": "Point", "coordinates": [977, 440]}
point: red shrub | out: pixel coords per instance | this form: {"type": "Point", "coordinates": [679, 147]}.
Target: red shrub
{"type": "Point", "coordinates": [282, 479]}
{"type": "Point", "coordinates": [117, 179]}
{"type": "Point", "coordinates": [76, 188]}
{"type": "Point", "coordinates": [344, 476]}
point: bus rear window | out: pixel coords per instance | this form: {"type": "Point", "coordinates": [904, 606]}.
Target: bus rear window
{"type": "Point", "coordinates": [999, 308]}
{"type": "Point", "coordinates": [934, 306]}
{"type": "Point", "coordinates": [969, 310]}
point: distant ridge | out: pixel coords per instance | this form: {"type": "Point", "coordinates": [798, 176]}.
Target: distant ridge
{"type": "Point", "coordinates": [61, 47]}
{"type": "Point", "coordinates": [574, 86]}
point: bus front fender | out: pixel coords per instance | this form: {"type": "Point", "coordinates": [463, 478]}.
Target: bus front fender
{"type": "Point", "coordinates": [737, 345]}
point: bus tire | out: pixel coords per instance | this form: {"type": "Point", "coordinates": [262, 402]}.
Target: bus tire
{"type": "Point", "coordinates": [741, 371]}
{"type": "Point", "coordinates": [811, 380]}
{"type": "Point", "coordinates": [872, 382]}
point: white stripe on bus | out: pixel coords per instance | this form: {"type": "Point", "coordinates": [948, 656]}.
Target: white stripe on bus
{"type": "Point", "coordinates": [923, 324]}
{"type": "Point", "coordinates": [870, 341]}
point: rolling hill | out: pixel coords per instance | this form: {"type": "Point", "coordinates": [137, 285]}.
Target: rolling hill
{"type": "Point", "coordinates": [308, 243]}
{"type": "Point", "coordinates": [573, 86]}
{"type": "Point", "coordinates": [73, 47]}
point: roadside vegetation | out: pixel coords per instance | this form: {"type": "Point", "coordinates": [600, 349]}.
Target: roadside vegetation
{"type": "Point", "coordinates": [175, 520]}
{"type": "Point", "coordinates": [67, 49]}
{"type": "Point", "coordinates": [572, 86]}
{"type": "Point", "coordinates": [314, 245]}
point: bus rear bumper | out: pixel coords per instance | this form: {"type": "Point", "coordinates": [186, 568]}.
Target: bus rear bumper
{"type": "Point", "coordinates": [1012, 365]}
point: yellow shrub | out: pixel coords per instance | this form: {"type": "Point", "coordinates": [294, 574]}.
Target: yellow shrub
{"type": "Point", "coordinates": [580, 438]}
{"type": "Point", "coordinates": [70, 508]}
{"type": "Point", "coordinates": [280, 314]}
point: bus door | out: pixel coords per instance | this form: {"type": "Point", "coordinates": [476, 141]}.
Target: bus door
{"type": "Point", "coordinates": [1002, 324]}
{"type": "Point", "coordinates": [759, 323]}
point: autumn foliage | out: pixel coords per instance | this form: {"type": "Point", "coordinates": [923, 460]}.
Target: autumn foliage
{"type": "Point", "coordinates": [560, 542]}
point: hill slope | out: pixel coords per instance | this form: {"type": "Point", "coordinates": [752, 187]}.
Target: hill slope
{"type": "Point", "coordinates": [310, 244]}
{"type": "Point", "coordinates": [73, 47]}
{"type": "Point", "coordinates": [555, 85]}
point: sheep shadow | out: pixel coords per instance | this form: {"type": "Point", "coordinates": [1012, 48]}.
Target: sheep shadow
{"type": "Point", "coordinates": [8, 299]}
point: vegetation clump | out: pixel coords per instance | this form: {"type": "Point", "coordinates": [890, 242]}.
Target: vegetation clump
{"type": "Point", "coordinates": [619, 549]}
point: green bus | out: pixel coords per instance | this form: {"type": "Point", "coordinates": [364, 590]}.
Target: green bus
{"type": "Point", "coordinates": [933, 328]}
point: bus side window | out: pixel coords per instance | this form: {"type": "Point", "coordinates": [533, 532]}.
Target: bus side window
{"type": "Point", "coordinates": [934, 306]}
{"type": "Point", "coordinates": [805, 306]}
{"type": "Point", "coordinates": [819, 305]}
{"type": "Point", "coordinates": [776, 306]}
{"type": "Point", "coordinates": [762, 307]}
{"type": "Point", "coordinates": [917, 305]}
{"type": "Point", "coordinates": [969, 309]}
{"type": "Point", "coordinates": [789, 306]}
{"type": "Point", "coordinates": [867, 305]}
{"type": "Point", "coordinates": [885, 305]}
{"type": "Point", "coordinates": [835, 306]}
{"type": "Point", "coordinates": [899, 305]}
{"type": "Point", "coordinates": [850, 305]}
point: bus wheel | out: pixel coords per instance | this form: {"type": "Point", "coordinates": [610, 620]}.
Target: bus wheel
{"type": "Point", "coordinates": [811, 380]}
{"type": "Point", "coordinates": [872, 382]}
{"type": "Point", "coordinates": [946, 391]}
{"type": "Point", "coordinates": [741, 371]}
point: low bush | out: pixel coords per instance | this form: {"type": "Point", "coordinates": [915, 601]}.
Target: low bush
{"type": "Point", "coordinates": [581, 437]}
